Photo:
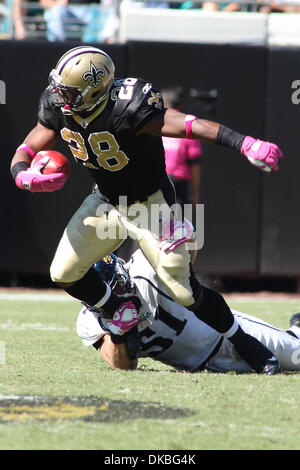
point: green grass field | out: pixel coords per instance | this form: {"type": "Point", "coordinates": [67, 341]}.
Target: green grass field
{"type": "Point", "coordinates": [57, 394]}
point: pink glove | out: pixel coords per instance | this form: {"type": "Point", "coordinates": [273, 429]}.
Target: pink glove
{"type": "Point", "coordinates": [262, 154]}
{"type": "Point", "coordinates": [33, 180]}
{"type": "Point", "coordinates": [125, 317]}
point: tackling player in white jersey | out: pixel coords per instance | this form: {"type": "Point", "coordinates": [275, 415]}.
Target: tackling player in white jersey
{"type": "Point", "coordinates": [169, 332]}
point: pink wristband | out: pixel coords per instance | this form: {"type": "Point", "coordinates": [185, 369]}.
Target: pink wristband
{"type": "Point", "coordinates": [27, 149]}
{"type": "Point", "coordinates": [189, 118]}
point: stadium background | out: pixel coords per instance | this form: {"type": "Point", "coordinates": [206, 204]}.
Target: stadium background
{"type": "Point", "coordinates": [252, 227]}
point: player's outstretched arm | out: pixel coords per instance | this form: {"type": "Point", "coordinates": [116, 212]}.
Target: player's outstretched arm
{"type": "Point", "coordinates": [264, 155]}
{"type": "Point", "coordinates": [116, 354]}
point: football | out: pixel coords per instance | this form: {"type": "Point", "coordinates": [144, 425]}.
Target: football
{"type": "Point", "coordinates": [260, 164]}
{"type": "Point", "coordinates": [58, 163]}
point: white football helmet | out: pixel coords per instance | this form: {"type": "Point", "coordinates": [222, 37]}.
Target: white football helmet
{"type": "Point", "coordinates": [82, 79]}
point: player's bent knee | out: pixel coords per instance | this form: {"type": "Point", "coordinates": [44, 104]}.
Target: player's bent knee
{"type": "Point", "coordinates": [56, 275]}
{"type": "Point", "coordinates": [177, 281]}
{"type": "Point", "coordinates": [60, 276]}
{"type": "Point", "coordinates": [180, 294]}
{"type": "Point", "coordinates": [207, 298]}
{"type": "Point", "coordinates": [184, 300]}
{"type": "Point", "coordinates": [66, 271]}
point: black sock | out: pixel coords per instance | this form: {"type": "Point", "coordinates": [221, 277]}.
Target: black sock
{"type": "Point", "coordinates": [214, 311]}
{"type": "Point", "coordinates": [90, 288]}
{"type": "Point", "coordinates": [251, 350]}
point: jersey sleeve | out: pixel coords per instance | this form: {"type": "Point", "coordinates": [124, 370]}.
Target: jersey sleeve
{"type": "Point", "coordinates": [46, 114]}
{"type": "Point", "coordinates": [88, 328]}
{"type": "Point", "coordinates": [151, 105]}
{"type": "Point", "coordinates": [139, 105]}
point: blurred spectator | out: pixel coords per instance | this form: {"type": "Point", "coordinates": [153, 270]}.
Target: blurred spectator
{"type": "Point", "coordinates": [215, 6]}
{"type": "Point", "coordinates": [6, 27]}
{"type": "Point", "coordinates": [281, 6]}
{"type": "Point", "coordinates": [110, 21]}
{"type": "Point", "coordinates": [210, 6]}
{"type": "Point", "coordinates": [157, 4]}
{"type": "Point", "coordinates": [19, 11]}
{"type": "Point", "coordinates": [96, 22]}
{"type": "Point", "coordinates": [232, 7]}
{"type": "Point", "coordinates": [62, 15]}
{"type": "Point", "coordinates": [11, 23]}
{"type": "Point", "coordinates": [182, 156]}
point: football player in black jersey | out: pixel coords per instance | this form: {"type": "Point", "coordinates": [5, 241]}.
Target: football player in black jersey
{"type": "Point", "coordinates": [113, 128]}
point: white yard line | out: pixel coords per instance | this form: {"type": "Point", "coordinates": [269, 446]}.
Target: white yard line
{"type": "Point", "coordinates": [36, 295]}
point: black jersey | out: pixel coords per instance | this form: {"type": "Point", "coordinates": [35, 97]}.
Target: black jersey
{"type": "Point", "coordinates": [120, 161]}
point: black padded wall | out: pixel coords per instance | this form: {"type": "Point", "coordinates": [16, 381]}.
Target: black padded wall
{"type": "Point", "coordinates": [280, 231]}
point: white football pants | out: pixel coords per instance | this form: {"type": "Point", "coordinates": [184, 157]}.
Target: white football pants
{"type": "Point", "coordinates": [284, 346]}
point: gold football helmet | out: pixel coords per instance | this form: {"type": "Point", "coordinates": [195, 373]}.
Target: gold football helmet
{"type": "Point", "coordinates": [82, 79]}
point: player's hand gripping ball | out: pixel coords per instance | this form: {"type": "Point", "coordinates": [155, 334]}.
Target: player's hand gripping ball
{"type": "Point", "coordinates": [49, 170]}
{"type": "Point", "coordinates": [57, 163]}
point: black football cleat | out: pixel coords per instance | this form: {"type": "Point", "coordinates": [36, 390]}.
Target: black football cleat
{"type": "Point", "coordinates": [256, 354]}
{"type": "Point", "coordinates": [272, 366]}
{"type": "Point", "coordinates": [295, 320]}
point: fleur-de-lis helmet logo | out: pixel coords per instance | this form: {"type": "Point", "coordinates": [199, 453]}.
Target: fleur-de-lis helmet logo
{"type": "Point", "coordinates": [94, 75]}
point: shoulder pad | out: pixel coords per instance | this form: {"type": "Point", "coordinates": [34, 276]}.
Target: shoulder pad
{"type": "Point", "coordinates": [135, 91]}
{"type": "Point", "coordinates": [134, 97]}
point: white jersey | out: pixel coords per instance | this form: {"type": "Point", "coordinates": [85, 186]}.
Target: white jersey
{"type": "Point", "coordinates": [174, 335]}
